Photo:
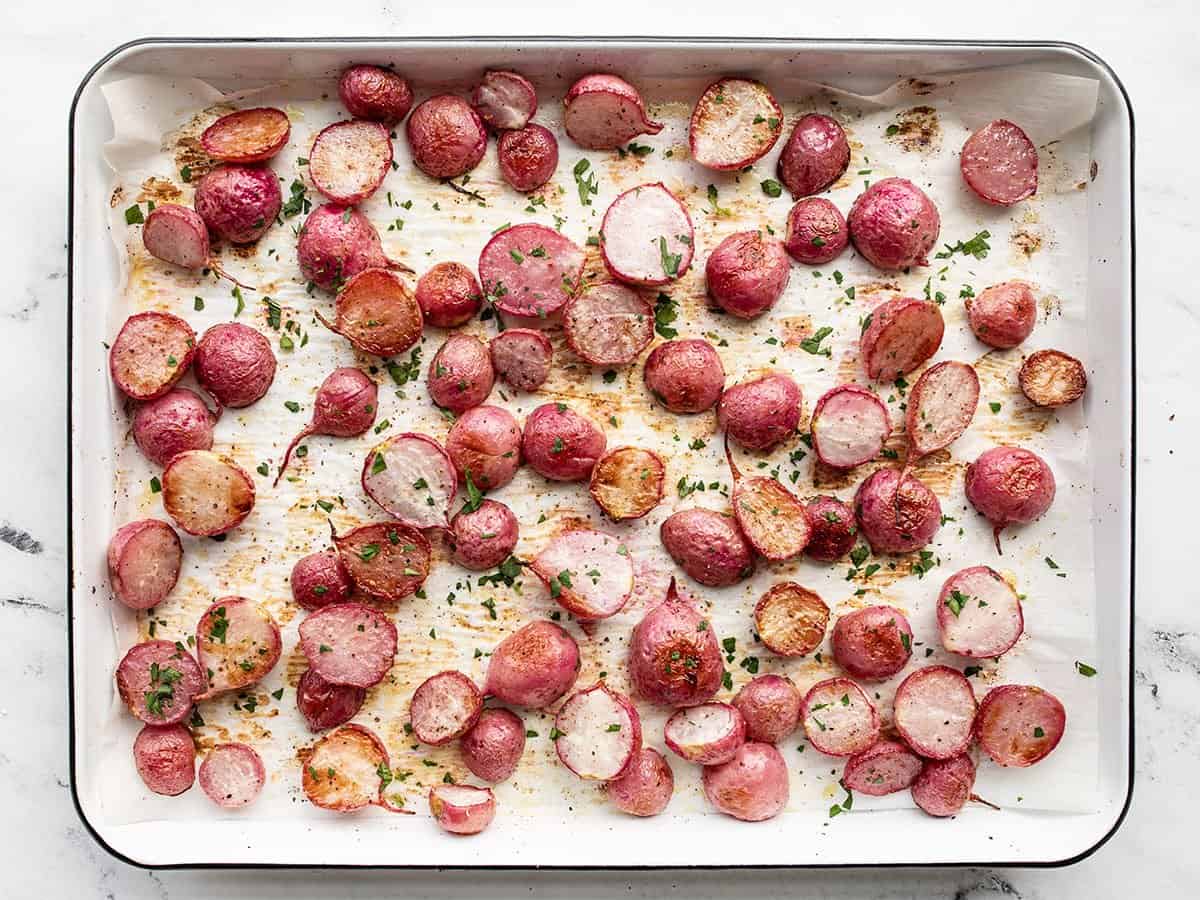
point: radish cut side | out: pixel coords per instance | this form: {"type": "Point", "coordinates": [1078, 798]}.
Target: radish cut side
{"type": "Point", "coordinates": [530, 271]}
{"type": "Point", "coordinates": [979, 614]}
{"type": "Point", "coordinates": [791, 620]}
{"type": "Point", "coordinates": [882, 769]}
{"type": "Point", "coordinates": [604, 112]}
{"type": "Point", "coordinates": [232, 775]}
{"type": "Point", "coordinates": [144, 559]}
{"type": "Point", "coordinates": [1000, 163]}
{"type": "Point", "coordinates": [349, 160]}
{"type": "Point", "coordinates": [206, 493]}
{"type": "Point", "coordinates": [413, 479]}
{"type": "Point", "coordinates": [900, 335]}
{"type": "Point", "coordinates": [377, 313]}
{"type": "Point", "coordinates": [646, 236]}
{"type": "Point", "coordinates": [444, 707]}
{"type": "Point", "coordinates": [248, 135]}
{"type": "Point", "coordinates": [940, 407]}
{"type": "Point", "coordinates": [838, 718]}
{"type": "Point", "coordinates": [589, 573]}
{"type": "Point", "coordinates": [388, 560]}
{"type": "Point", "coordinates": [504, 100]}
{"type": "Point", "coordinates": [1019, 725]}
{"type": "Point", "coordinates": [462, 809]}
{"type": "Point", "coordinates": [849, 426]}
{"type": "Point", "coordinates": [627, 482]}
{"type": "Point", "coordinates": [608, 325]}
{"type": "Point", "coordinates": [237, 644]}
{"type": "Point", "coordinates": [934, 711]}
{"type": "Point", "coordinates": [349, 644]}
{"type": "Point", "coordinates": [158, 682]}
{"type": "Point", "coordinates": [734, 124]}
{"type": "Point", "coordinates": [708, 734]}
{"type": "Point", "coordinates": [344, 771]}
{"type": "Point", "coordinates": [598, 733]}
{"type": "Point", "coordinates": [150, 353]}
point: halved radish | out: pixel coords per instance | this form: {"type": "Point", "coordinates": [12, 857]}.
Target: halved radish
{"type": "Point", "coordinates": [530, 271]}
{"type": "Point", "coordinates": [598, 732]}
{"type": "Point", "coordinates": [1019, 725]}
{"type": "Point", "coordinates": [349, 160]}
{"type": "Point", "coordinates": [588, 573]}
{"type": "Point", "coordinates": [838, 718]}
{"type": "Point", "coordinates": [708, 734]}
{"type": "Point", "coordinates": [388, 560]}
{"type": "Point", "coordinates": [881, 769]}
{"type": "Point", "coordinates": [646, 236]}
{"type": "Point", "coordinates": [237, 644]}
{"type": "Point", "coordinates": [349, 643]}
{"type": "Point", "coordinates": [533, 666]}
{"type": "Point", "coordinates": [444, 707]}
{"type": "Point", "coordinates": [901, 334]}
{"type": "Point", "coordinates": [412, 478]}
{"type": "Point", "coordinates": [462, 808]}
{"type": "Point", "coordinates": [377, 313]}
{"type": "Point", "coordinates": [232, 775]}
{"type": "Point", "coordinates": [791, 620]}
{"type": "Point", "coordinates": [944, 786]}
{"type": "Point", "coordinates": [978, 613]}
{"type": "Point", "coordinates": [158, 681]}
{"type": "Point", "coordinates": [1051, 378]}
{"type": "Point", "coordinates": [150, 353]}
{"type": "Point", "coordinates": [734, 123]}
{"type": "Point", "coordinates": [872, 643]}
{"type": "Point", "coordinates": [504, 99]}
{"type": "Point", "coordinates": [608, 324]}
{"type": "Point", "coordinates": [345, 406]}
{"type": "Point", "coordinates": [934, 710]}
{"type": "Point", "coordinates": [165, 756]}
{"type": "Point", "coordinates": [338, 242]}
{"type": "Point", "coordinates": [248, 135]}
{"type": "Point", "coordinates": [206, 493]}
{"type": "Point", "coordinates": [834, 531]}
{"type": "Point", "coordinates": [752, 787]}
{"type": "Point", "coordinates": [603, 112]}
{"type": "Point", "coordinates": [144, 559]}
{"type": "Point", "coordinates": [522, 358]}
{"type": "Point", "coordinates": [627, 482]}
{"type": "Point", "coordinates": [940, 407]}
{"type": "Point", "coordinates": [348, 769]}
{"type": "Point", "coordinates": [177, 235]}
{"type": "Point", "coordinates": [326, 705]}
{"type": "Point", "coordinates": [849, 426]}
{"type": "Point", "coordinates": [773, 519]}
{"type": "Point", "coordinates": [674, 654]}
{"type": "Point", "coordinates": [1000, 163]}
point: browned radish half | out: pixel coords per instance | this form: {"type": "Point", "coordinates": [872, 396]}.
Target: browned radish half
{"type": "Point", "coordinates": [900, 335]}
{"type": "Point", "coordinates": [326, 705]}
{"type": "Point", "coordinates": [533, 666]}
{"type": "Point", "coordinates": [413, 479]}
{"type": "Point", "coordinates": [978, 613]}
{"type": "Point", "coordinates": [940, 407]}
{"type": "Point", "coordinates": [588, 573]}
{"type": "Point", "coordinates": [1051, 378]}
{"type": "Point", "coordinates": [349, 160]}
{"type": "Point", "coordinates": [773, 519]}
{"type": "Point", "coordinates": [530, 271]}
{"type": "Point", "coordinates": [872, 643]}
{"type": "Point", "coordinates": [144, 558]}
{"type": "Point", "coordinates": [377, 313]}
{"type": "Point", "coordinates": [944, 786]}
{"type": "Point", "coordinates": [237, 644]}
{"type": "Point", "coordinates": [1019, 725]}
{"type": "Point", "coordinates": [628, 482]}
{"type": "Point", "coordinates": [165, 756]}
{"type": "Point", "coordinates": [849, 426]}
{"type": "Point", "coordinates": [838, 718]}
{"type": "Point", "coordinates": [232, 775]}
{"type": "Point", "coordinates": [604, 112]}
{"type": "Point", "coordinates": [150, 353]}
{"type": "Point", "coordinates": [1000, 163]}
{"type": "Point", "coordinates": [346, 770]}
{"type": "Point", "coordinates": [674, 656]}
{"type": "Point", "coordinates": [645, 787]}
{"type": "Point", "coordinates": [178, 420]}
{"type": "Point", "coordinates": [708, 734]}
{"type": "Point", "coordinates": [248, 135]}
{"type": "Point", "coordinates": [608, 325]}
{"type": "Point", "coordinates": [349, 643]}
{"type": "Point", "coordinates": [598, 733]}
{"type": "Point", "coordinates": [896, 512]}
{"type": "Point", "coordinates": [934, 711]}
{"type": "Point", "coordinates": [462, 808]}
{"type": "Point", "coordinates": [752, 787]}
{"type": "Point", "coordinates": [493, 746]}
{"type": "Point", "coordinates": [527, 157]}
{"type": "Point", "coordinates": [791, 620]}
{"type": "Point", "coordinates": [504, 99]}
{"type": "Point", "coordinates": [522, 358]}
{"type": "Point", "coordinates": [388, 560]}
{"type": "Point", "coordinates": [206, 493]}
{"type": "Point", "coordinates": [444, 707]}
{"type": "Point", "coordinates": [734, 123]}
{"type": "Point", "coordinates": [345, 406]}
{"type": "Point", "coordinates": [881, 769]}
{"type": "Point", "coordinates": [158, 682]}
{"type": "Point", "coordinates": [375, 93]}
{"type": "Point", "coordinates": [833, 529]}
{"type": "Point", "coordinates": [815, 156]}
{"type": "Point", "coordinates": [646, 236]}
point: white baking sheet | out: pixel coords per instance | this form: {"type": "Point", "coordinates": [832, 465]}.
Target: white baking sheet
{"type": "Point", "coordinates": [157, 121]}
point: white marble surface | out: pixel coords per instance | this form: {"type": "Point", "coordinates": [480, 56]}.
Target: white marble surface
{"type": "Point", "coordinates": [45, 48]}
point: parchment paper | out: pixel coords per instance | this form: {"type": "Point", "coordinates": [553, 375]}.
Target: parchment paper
{"type": "Point", "coordinates": [157, 124]}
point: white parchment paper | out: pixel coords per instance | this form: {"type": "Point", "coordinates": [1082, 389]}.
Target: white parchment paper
{"type": "Point", "coordinates": [915, 129]}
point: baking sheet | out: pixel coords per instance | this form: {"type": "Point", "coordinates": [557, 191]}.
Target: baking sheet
{"type": "Point", "coordinates": [1045, 241]}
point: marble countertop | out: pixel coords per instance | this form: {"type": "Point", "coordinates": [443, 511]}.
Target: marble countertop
{"type": "Point", "coordinates": [44, 849]}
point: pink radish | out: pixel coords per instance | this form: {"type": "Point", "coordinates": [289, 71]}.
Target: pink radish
{"type": "Point", "coordinates": [674, 655]}
{"type": "Point", "coordinates": [493, 746]}
{"type": "Point", "coordinates": [377, 314]}
{"type": "Point", "coordinates": [504, 100]}
{"type": "Point", "coordinates": [238, 203]}
{"type": "Point", "coordinates": [345, 407]}
{"type": "Point", "coordinates": [940, 407]}
{"type": "Point", "coordinates": [646, 236]}
{"type": "Point", "coordinates": [444, 707]}
{"type": "Point", "coordinates": [150, 354]}
{"type": "Point", "coordinates": [979, 614]}
{"type": "Point", "coordinates": [177, 421]}
{"type": "Point", "coordinates": [588, 573]}
{"type": "Point", "coordinates": [599, 732]}
{"type": "Point", "coordinates": [388, 560]}
{"type": "Point", "coordinates": [345, 770]}
{"type": "Point", "coordinates": [934, 712]}
{"type": "Point", "coordinates": [144, 559]}
{"type": "Point", "coordinates": [1009, 485]}
{"type": "Point", "coordinates": [338, 242]}
{"type": "Point", "coordinates": [375, 93]}
{"type": "Point", "coordinates": [708, 734]}
{"type": "Point", "coordinates": [349, 160]}
{"type": "Point", "coordinates": [645, 787]}
{"type": "Point", "coordinates": [1019, 725]}
{"type": "Point", "coordinates": [206, 493]}
{"type": "Point", "coordinates": [177, 235]}
{"type": "Point", "coordinates": [232, 775]}
{"type": "Point", "coordinates": [533, 666]}
{"type": "Point", "coordinates": [604, 112]}
{"type": "Point", "coordinates": [165, 757]}
{"type": "Point", "coordinates": [734, 123]}
{"type": "Point", "coordinates": [462, 808]}
{"type": "Point", "coordinates": [412, 478]}
{"type": "Point", "coordinates": [883, 768]}
{"type": "Point", "coordinates": [849, 426]}
{"type": "Point", "coordinates": [753, 786]}
{"type": "Point", "coordinates": [247, 136]}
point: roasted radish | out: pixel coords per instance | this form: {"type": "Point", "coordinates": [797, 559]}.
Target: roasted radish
{"type": "Point", "coordinates": [608, 325]}
{"type": "Point", "coordinates": [444, 707]}
{"type": "Point", "coordinates": [448, 295]}
{"type": "Point", "coordinates": [247, 136]}
{"type": "Point", "coordinates": [349, 643]}
{"type": "Point", "coordinates": [708, 734]}
{"type": "Point", "coordinates": [838, 718]}
{"type": "Point", "coordinates": [527, 157]}
{"type": "Point", "coordinates": [326, 705]}
{"type": "Point", "coordinates": [627, 482]}
{"type": "Point", "coordinates": [177, 421]}
{"type": "Point", "coordinates": [872, 643]}
{"type": "Point", "coordinates": [158, 681]}
{"type": "Point", "coordinates": [1009, 485]}
{"type": "Point", "coordinates": [377, 314]}
{"type": "Point", "coordinates": [770, 704]}
{"type": "Point", "coordinates": [833, 531]}
{"type": "Point", "coordinates": [1019, 725]}
{"type": "Point", "coordinates": [485, 536]}
{"type": "Point", "coordinates": [375, 93]}
{"type": "Point", "coordinates": [849, 426]}
{"type": "Point", "coordinates": [413, 479]}
{"type": "Point", "coordinates": [791, 620]}
{"type": "Point", "coordinates": [746, 273]}
{"type": "Point", "coordinates": [522, 358]}
{"type": "Point", "coordinates": [349, 160]}
{"type": "Point", "coordinates": [320, 579]}
{"type": "Point", "coordinates": [144, 558]}
{"type": "Point", "coordinates": [237, 644]}
{"type": "Point", "coordinates": [1003, 315]}
{"type": "Point", "coordinates": [944, 786]}
{"type": "Point", "coordinates": [492, 747]}
{"type": "Point", "coordinates": [234, 363]}
{"type": "Point", "coordinates": [588, 573]}
{"type": "Point", "coordinates": [504, 100]}
{"type": "Point", "coordinates": [345, 406]}
{"type": "Point", "coordinates": [177, 235]}
{"type": "Point", "coordinates": [461, 374]}
{"type": "Point", "coordinates": [388, 560]}
{"type": "Point", "coordinates": [1000, 163]}
{"type": "Point", "coordinates": [485, 443]}
{"type": "Point", "coordinates": [934, 711]}
{"type": "Point", "coordinates": [646, 236]}
{"type": "Point", "coordinates": [598, 732]}
{"type": "Point", "coordinates": [645, 787]}
{"type": "Point", "coordinates": [896, 513]}
{"type": "Point", "coordinates": [772, 518]}
{"type": "Point", "coordinates": [603, 112]}
{"type": "Point", "coordinates": [206, 493]}
{"type": "Point", "coordinates": [461, 808]}
{"type": "Point", "coordinates": [560, 444]}
{"type": "Point", "coordinates": [815, 156]}
{"type": "Point", "coordinates": [940, 407]}
{"type": "Point", "coordinates": [685, 376]}
{"type": "Point", "coordinates": [150, 353]}
{"type": "Point", "coordinates": [446, 136]}
{"type": "Point", "coordinates": [816, 232]}
{"type": "Point", "coordinates": [979, 614]}
{"type": "Point", "coordinates": [238, 203]}
{"type": "Point", "coordinates": [345, 770]}
{"type": "Point", "coordinates": [753, 786]}
{"type": "Point", "coordinates": [533, 666]}
{"type": "Point", "coordinates": [900, 334]}
{"type": "Point", "coordinates": [674, 657]}
{"type": "Point", "coordinates": [894, 224]}
{"type": "Point", "coordinates": [165, 756]}
{"type": "Point", "coordinates": [1051, 378]}
{"type": "Point", "coordinates": [708, 546]}
{"type": "Point", "coordinates": [735, 123]}
{"type": "Point", "coordinates": [883, 768]}
{"type": "Point", "coordinates": [338, 242]}
{"type": "Point", "coordinates": [529, 271]}
{"type": "Point", "coordinates": [232, 775]}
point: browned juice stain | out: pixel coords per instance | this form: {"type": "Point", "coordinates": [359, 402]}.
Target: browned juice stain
{"type": "Point", "coordinates": [918, 129]}
{"type": "Point", "coordinates": [159, 190]}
